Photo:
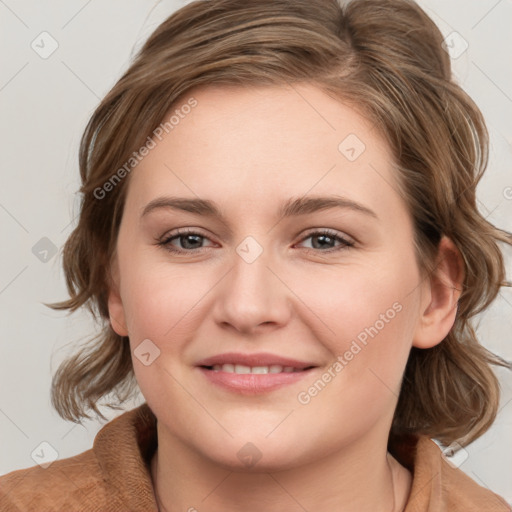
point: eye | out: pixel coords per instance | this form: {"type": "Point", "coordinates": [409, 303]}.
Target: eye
{"type": "Point", "coordinates": [324, 241]}
{"type": "Point", "coordinates": [190, 241]}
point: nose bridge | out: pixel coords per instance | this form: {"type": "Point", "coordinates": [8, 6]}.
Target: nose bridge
{"type": "Point", "coordinates": [250, 281]}
{"type": "Point", "coordinates": [251, 276]}
{"type": "Point", "coordinates": [251, 294]}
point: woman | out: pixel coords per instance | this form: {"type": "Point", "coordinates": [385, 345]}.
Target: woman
{"type": "Point", "coordinates": [279, 230]}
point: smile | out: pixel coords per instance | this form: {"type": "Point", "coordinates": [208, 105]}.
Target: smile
{"type": "Point", "coordinates": [260, 370]}
{"type": "Point", "coordinates": [253, 373]}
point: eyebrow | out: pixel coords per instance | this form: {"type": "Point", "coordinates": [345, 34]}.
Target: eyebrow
{"type": "Point", "coordinates": [290, 208]}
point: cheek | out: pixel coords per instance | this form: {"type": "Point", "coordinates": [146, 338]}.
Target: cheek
{"type": "Point", "coordinates": [161, 301]}
{"type": "Point", "coordinates": [369, 352]}
{"type": "Point", "coordinates": [350, 300]}
{"type": "Point", "coordinates": [366, 318]}
{"type": "Point", "coordinates": [338, 303]}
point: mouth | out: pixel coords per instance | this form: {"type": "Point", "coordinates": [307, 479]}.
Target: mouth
{"type": "Point", "coordinates": [242, 369]}
{"type": "Point", "coordinates": [253, 373]}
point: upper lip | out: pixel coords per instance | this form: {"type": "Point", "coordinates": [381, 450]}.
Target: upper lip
{"type": "Point", "coordinates": [259, 359]}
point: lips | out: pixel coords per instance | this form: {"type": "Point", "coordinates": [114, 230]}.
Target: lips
{"type": "Point", "coordinates": [253, 373]}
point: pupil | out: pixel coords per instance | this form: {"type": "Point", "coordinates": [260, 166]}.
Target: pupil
{"type": "Point", "coordinates": [322, 237]}
{"type": "Point", "coordinates": [186, 238]}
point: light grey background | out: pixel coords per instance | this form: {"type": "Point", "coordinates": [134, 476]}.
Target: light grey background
{"type": "Point", "coordinates": [44, 106]}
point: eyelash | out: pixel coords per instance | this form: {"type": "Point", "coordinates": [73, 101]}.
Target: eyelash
{"type": "Point", "coordinates": [165, 243]}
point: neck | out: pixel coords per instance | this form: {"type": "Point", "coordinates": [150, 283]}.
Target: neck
{"type": "Point", "coordinates": [356, 479]}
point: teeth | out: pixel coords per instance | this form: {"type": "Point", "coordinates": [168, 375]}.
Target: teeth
{"type": "Point", "coordinates": [242, 369]}
{"type": "Point", "coordinates": [260, 369]}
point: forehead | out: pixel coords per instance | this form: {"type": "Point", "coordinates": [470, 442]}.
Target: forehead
{"type": "Point", "coordinates": [273, 125]}
{"type": "Point", "coordinates": [258, 145]}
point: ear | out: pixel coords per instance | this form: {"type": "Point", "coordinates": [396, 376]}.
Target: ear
{"type": "Point", "coordinates": [115, 304]}
{"type": "Point", "coordinates": [442, 292]}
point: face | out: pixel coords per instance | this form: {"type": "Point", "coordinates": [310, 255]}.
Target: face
{"type": "Point", "coordinates": [266, 277]}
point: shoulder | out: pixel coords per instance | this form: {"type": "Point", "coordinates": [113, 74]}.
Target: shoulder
{"type": "Point", "coordinates": [463, 493]}
{"type": "Point", "coordinates": [441, 487]}
{"type": "Point", "coordinates": [74, 483]}
{"type": "Point", "coordinates": [112, 476]}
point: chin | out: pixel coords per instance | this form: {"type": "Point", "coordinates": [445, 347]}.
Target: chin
{"type": "Point", "coordinates": [261, 455]}
{"type": "Point", "coordinates": [258, 463]}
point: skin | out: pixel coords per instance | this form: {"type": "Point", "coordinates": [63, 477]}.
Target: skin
{"type": "Point", "coordinates": [249, 150]}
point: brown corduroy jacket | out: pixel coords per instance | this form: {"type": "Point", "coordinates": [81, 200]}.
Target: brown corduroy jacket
{"type": "Point", "coordinates": [114, 476]}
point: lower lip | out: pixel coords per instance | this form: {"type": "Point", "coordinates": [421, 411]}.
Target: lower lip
{"type": "Point", "coordinates": [253, 383]}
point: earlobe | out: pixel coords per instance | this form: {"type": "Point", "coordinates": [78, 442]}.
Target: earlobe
{"type": "Point", "coordinates": [115, 303]}
{"type": "Point", "coordinates": [445, 287]}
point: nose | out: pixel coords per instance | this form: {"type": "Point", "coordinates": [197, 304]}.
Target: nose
{"type": "Point", "coordinates": [252, 297]}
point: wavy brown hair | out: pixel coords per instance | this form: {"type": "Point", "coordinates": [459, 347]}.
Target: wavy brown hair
{"type": "Point", "coordinates": [384, 58]}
